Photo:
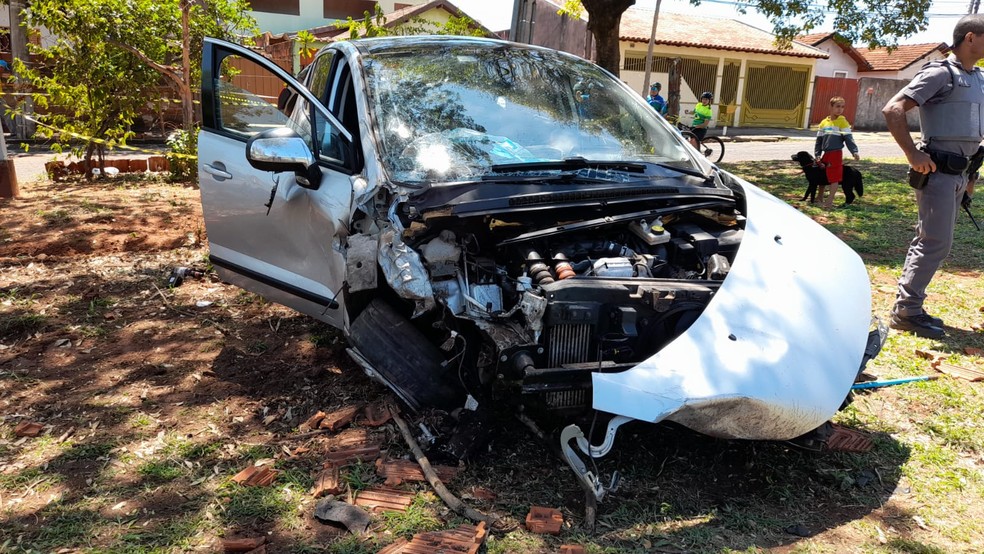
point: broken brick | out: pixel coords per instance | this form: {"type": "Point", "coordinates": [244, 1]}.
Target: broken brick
{"type": "Point", "coordinates": [28, 429]}
{"type": "Point", "coordinates": [254, 476]}
{"type": "Point", "coordinates": [544, 520]}
{"type": "Point", "coordinates": [349, 438]}
{"type": "Point", "coordinates": [377, 414]}
{"type": "Point", "coordinates": [397, 471]}
{"type": "Point", "coordinates": [844, 439]}
{"type": "Point", "coordinates": [379, 499]}
{"type": "Point", "coordinates": [138, 165]}
{"type": "Point", "coordinates": [571, 549]}
{"type": "Point", "coordinates": [340, 418]}
{"type": "Point", "coordinates": [395, 548]}
{"type": "Point", "coordinates": [346, 456]}
{"type": "Point", "coordinates": [327, 482]}
{"type": "Point", "coordinates": [464, 539]}
{"type": "Point", "coordinates": [243, 545]}
{"type": "Point", "coordinates": [961, 372]}
{"type": "Point", "coordinates": [972, 351]}
{"type": "Point", "coordinates": [930, 355]}
{"type": "Point", "coordinates": [311, 423]}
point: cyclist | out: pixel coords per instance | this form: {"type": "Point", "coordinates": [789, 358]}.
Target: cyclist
{"type": "Point", "coordinates": [702, 117]}
{"type": "Point", "coordinates": [655, 100]}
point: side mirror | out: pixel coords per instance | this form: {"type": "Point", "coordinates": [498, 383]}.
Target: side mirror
{"type": "Point", "coordinates": [282, 149]}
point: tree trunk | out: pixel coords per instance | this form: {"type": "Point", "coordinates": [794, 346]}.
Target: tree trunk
{"type": "Point", "coordinates": [187, 100]}
{"type": "Point", "coordinates": [604, 17]}
{"type": "Point", "coordinates": [673, 89]}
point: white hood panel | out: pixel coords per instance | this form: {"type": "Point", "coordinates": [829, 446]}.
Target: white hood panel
{"type": "Point", "coordinates": [776, 351]}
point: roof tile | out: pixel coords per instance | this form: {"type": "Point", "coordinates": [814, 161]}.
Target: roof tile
{"type": "Point", "coordinates": [675, 29]}
{"type": "Point", "coordinates": [901, 57]}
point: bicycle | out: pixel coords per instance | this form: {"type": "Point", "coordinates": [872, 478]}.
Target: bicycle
{"type": "Point", "coordinates": [712, 147]}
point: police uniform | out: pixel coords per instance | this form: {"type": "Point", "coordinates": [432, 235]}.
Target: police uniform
{"type": "Point", "coordinates": [951, 113]}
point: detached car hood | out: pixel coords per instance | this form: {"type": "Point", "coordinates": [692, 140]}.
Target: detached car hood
{"type": "Point", "coordinates": [753, 365]}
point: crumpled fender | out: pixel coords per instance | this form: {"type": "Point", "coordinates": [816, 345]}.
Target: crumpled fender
{"type": "Point", "coordinates": [777, 349]}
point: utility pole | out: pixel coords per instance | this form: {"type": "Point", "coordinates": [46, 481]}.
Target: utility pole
{"type": "Point", "coordinates": [649, 52]}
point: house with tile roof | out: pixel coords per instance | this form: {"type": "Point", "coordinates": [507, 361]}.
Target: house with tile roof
{"type": "Point", "coordinates": [286, 50]}
{"type": "Point", "coordinates": [416, 19]}
{"type": "Point", "coordinates": [755, 83]}
{"type": "Point", "coordinates": [289, 16]}
{"type": "Point", "coordinates": [904, 61]}
{"type": "Point", "coordinates": [844, 59]}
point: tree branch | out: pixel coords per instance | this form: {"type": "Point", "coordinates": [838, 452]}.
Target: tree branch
{"type": "Point", "coordinates": [168, 72]}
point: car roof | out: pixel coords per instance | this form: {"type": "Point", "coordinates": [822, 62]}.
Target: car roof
{"type": "Point", "coordinates": [377, 45]}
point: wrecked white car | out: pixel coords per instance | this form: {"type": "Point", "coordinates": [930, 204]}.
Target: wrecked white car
{"type": "Point", "coordinates": [503, 227]}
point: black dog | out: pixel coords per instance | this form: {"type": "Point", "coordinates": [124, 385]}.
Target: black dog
{"type": "Point", "coordinates": [816, 175]}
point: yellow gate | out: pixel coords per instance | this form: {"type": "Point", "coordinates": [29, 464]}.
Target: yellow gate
{"type": "Point", "coordinates": [775, 95]}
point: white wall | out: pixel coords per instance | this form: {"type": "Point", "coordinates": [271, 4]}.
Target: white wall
{"type": "Point", "coordinates": [838, 61]}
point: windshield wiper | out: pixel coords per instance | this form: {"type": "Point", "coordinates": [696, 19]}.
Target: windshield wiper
{"type": "Point", "coordinates": [576, 162]}
{"type": "Point", "coordinates": [686, 170]}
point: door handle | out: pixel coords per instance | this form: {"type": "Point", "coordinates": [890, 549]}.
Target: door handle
{"type": "Point", "coordinates": [217, 170]}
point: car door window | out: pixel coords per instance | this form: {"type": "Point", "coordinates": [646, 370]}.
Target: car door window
{"type": "Point", "coordinates": [246, 97]}
{"type": "Point", "coordinates": [251, 99]}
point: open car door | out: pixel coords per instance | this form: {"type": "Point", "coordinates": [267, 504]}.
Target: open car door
{"type": "Point", "coordinates": [276, 182]}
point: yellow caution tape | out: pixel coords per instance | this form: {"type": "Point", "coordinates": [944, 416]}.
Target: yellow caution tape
{"type": "Point", "coordinates": [112, 144]}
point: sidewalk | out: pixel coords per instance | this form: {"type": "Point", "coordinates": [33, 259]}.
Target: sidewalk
{"type": "Point", "coordinates": [772, 134]}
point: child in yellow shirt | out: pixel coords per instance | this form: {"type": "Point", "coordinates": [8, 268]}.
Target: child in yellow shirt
{"type": "Point", "coordinates": [834, 134]}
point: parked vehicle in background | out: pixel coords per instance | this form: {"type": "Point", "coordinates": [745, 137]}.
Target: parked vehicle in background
{"type": "Point", "coordinates": [500, 228]}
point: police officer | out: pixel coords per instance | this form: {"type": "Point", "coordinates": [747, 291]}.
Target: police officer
{"type": "Point", "coordinates": [950, 97]}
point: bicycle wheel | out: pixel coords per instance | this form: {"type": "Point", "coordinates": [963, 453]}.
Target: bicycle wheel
{"type": "Point", "coordinates": [689, 137]}
{"type": "Point", "coordinates": [713, 148]}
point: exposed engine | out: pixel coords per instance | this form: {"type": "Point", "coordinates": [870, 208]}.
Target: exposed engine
{"type": "Point", "coordinates": [551, 308]}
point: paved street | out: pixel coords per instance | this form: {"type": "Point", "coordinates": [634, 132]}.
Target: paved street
{"type": "Point", "coordinates": [742, 145]}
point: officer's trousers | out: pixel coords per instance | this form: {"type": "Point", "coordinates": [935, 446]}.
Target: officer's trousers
{"type": "Point", "coordinates": [938, 203]}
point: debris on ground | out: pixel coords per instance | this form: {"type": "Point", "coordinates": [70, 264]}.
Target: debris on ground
{"type": "Point", "coordinates": [28, 429]}
{"type": "Point", "coordinates": [464, 539]}
{"type": "Point", "coordinates": [973, 351]}
{"type": "Point", "coordinates": [396, 472]}
{"type": "Point", "coordinates": [248, 545]}
{"type": "Point", "coordinates": [844, 439]}
{"type": "Point", "coordinates": [480, 493]}
{"type": "Point", "coordinates": [572, 549]}
{"type": "Point", "coordinates": [340, 418]}
{"type": "Point", "coordinates": [382, 499]}
{"type": "Point", "coordinates": [355, 519]}
{"type": "Point", "coordinates": [961, 372]}
{"type": "Point", "coordinates": [353, 454]}
{"type": "Point", "coordinates": [546, 521]}
{"type": "Point", "coordinates": [351, 437]}
{"type": "Point", "coordinates": [311, 423]}
{"type": "Point", "coordinates": [256, 476]}
{"type": "Point", "coordinates": [377, 414]}
{"type": "Point", "coordinates": [327, 482]}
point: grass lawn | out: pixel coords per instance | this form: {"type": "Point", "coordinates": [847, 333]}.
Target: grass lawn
{"type": "Point", "coordinates": [154, 398]}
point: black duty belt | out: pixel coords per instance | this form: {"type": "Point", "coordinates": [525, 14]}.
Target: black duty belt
{"type": "Point", "coordinates": [949, 163]}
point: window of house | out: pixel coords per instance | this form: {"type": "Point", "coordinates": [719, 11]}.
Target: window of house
{"type": "Point", "coordinates": [840, 75]}
{"type": "Point", "coordinates": [287, 7]}
{"type": "Point", "coordinates": [341, 9]}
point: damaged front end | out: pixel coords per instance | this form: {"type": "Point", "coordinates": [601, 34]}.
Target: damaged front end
{"type": "Point", "coordinates": [679, 308]}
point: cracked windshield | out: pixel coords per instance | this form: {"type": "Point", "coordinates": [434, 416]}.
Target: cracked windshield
{"type": "Point", "coordinates": [452, 113]}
